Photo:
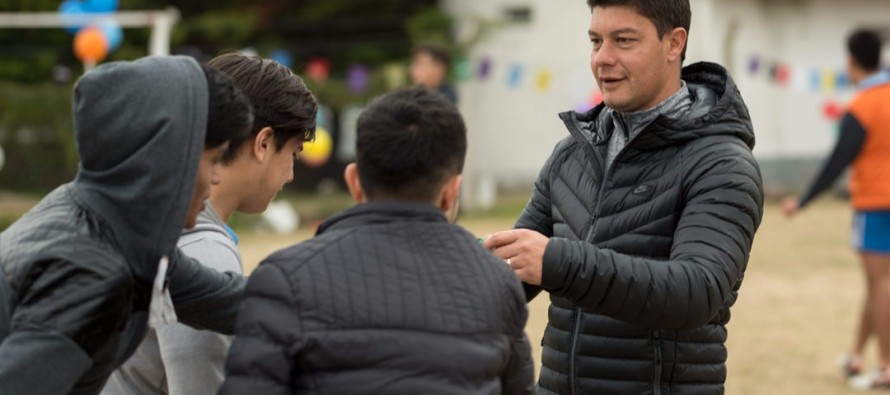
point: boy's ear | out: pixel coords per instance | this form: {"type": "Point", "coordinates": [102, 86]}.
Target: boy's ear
{"type": "Point", "coordinates": [263, 143]}
{"type": "Point", "coordinates": [353, 183]}
{"type": "Point", "coordinates": [448, 198]}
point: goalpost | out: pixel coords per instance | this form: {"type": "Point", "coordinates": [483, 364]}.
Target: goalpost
{"type": "Point", "coordinates": [161, 23]}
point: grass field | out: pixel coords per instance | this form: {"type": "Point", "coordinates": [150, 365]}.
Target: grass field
{"type": "Point", "coordinates": [795, 314]}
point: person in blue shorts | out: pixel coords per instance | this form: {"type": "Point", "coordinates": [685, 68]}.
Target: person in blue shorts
{"type": "Point", "coordinates": [864, 143]}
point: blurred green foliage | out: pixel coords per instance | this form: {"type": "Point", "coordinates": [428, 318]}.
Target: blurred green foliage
{"type": "Point", "coordinates": [37, 136]}
{"type": "Point", "coordinates": [430, 26]}
{"type": "Point", "coordinates": [372, 32]}
{"type": "Point", "coordinates": [38, 67]}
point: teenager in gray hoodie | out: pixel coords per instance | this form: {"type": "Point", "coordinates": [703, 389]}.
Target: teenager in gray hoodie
{"type": "Point", "coordinates": [91, 265]}
{"type": "Point", "coordinates": [176, 359]}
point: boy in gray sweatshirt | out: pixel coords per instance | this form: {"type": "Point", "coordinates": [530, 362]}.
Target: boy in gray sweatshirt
{"type": "Point", "coordinates": [179, 360]}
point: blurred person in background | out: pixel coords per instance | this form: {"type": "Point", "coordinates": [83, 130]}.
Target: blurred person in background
{"type": "Point", "coordinates": [176, 359]}
{"type": "Point", "coordinates": [864, 143]}
{"type": "Point", "coordinates": [95, 262]}
{"type": "Point", "coordinates": [429, 68]}
{"type": "Point", "coordinates": [641, 222]}
{"type": "Point", "coordinates": [389, 297]}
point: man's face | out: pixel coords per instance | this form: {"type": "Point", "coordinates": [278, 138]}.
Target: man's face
{"type": "Point", "coordinates": [426, 71]}
{"type": "Point", "coordinates": [208, 174]}
{"type": "Point", "coordinates": [631, 62]}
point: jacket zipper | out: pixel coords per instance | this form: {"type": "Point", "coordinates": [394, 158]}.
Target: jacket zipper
{"type": "Point", "coordinates": [656, 343]}
{"type": "Point", "coordinates": [656, 335]}
{"type": "Point", "coordinates": [574, 348]}
{"type": "Point", "coordinates": [576, 331]}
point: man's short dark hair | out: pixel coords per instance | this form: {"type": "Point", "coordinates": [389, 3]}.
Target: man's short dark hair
{"type": "Point", "coordinates": [438, 53]}
{"type": "Point", "coordinates": [409, 143]}
{"type": "Point", "coordinates": [667, 15]}
{"type": "Point", "coordinates": [865, 48]}
{"type": "Point", "coordinates": [229, 114]}
{"type": "Point", "coordinates": [279, 97]}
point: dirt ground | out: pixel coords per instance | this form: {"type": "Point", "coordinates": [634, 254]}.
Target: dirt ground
{"type": "Point", "coordinates": [796, 310]}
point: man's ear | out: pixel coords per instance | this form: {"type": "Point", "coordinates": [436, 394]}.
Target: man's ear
{"type": "Point", "coordinates": [676, 40]}
{"type": "Point", "coordinates": [263, 143]}
{"type": "Point", "coordinates": [353, 183]}
{"type": "Point", "coordinates": [448, 198]}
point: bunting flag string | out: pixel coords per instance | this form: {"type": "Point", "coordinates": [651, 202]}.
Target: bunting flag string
{"type": "Point", "coordinates": [817, 79]}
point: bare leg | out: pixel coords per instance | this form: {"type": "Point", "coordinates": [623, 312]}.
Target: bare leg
{"type": "Point", "coordinates": [877, 268]}
{"type": "Point", "coordinates": [866, 321]}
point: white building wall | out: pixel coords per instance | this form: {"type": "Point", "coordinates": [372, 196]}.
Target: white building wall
{"type": "Point", "coordinates": [513, 130]}
{"type": "Point", "coordinates": [804, 34]}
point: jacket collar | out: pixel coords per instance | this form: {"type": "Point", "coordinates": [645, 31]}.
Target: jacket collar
{"type": "Point", "coordinates": [631, 123]}
{"type": "Point", "coordinates": [381, 212]}
{"type": "Point", "coordinates": [716, 100]}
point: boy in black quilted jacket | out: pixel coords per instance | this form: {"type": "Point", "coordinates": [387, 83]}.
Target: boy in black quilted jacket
{"type": "Point", "coordinates": [390, 297]}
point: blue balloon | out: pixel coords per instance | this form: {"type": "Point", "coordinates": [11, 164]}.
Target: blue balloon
{"type": "Point", "coordinates": [100, 5]}
{"type": "Point", "coordinates": [72, 12]}
{"type": "Point", "coordinates": [113, 33]}
{"type": "Point", "coordinates": [282, 56]}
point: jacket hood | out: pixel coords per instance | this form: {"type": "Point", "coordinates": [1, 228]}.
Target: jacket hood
{"type": "Point", "coordinates": [718, 109]}
{"type": "Point", "coordinates": [140, 130]}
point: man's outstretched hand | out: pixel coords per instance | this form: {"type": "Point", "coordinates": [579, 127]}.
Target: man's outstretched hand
{"type": "Point", "coordinates": [522, 249]}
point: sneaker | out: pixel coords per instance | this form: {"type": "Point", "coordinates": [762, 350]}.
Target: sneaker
{"type": "Point", "coordinates": [849, 366]}
{"type": "Point", "coordinates": [874, 379]}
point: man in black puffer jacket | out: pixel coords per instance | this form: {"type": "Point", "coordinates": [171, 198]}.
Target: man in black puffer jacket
{"type": "Point", "coordinates": [389, 297]}
{"type": "Point", "coordinates": [641, 221]}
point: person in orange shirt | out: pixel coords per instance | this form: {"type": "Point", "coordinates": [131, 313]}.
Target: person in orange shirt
{"type": "Point", "coordinates": [864, 143]}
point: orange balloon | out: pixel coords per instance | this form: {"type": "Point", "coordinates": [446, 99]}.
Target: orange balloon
{"type": "Point", "coordinates": [90, 45]}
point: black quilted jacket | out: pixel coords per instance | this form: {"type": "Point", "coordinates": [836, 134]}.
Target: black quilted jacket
{"type": "Point", "coordinates": [646, 258]}
{"type": "Point", "coordinates": [389, 298]}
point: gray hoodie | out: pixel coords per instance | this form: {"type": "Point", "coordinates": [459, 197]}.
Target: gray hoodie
{"type": "Point", "coordinates": [175, 359]}
{"type": "Point", "coordinates": [77, 269]}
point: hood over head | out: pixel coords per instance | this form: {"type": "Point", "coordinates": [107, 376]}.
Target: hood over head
{"type": "Point", "coordinates": [140, 130]}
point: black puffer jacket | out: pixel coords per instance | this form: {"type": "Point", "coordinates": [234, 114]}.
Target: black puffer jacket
{"type": "Point", "coordinates": [646, 259]}
{"type": "Point", "coordinates": [389, 298]}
